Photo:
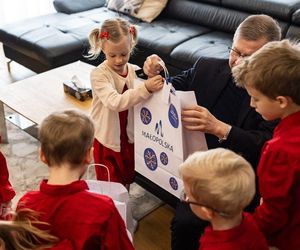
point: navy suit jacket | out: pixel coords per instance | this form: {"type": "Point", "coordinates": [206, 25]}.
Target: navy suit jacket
{"type": "Point", "coordinates": [207, 78]}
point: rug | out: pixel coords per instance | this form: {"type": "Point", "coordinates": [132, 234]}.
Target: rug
{"type": "Point", "coordinates": [26, 171]}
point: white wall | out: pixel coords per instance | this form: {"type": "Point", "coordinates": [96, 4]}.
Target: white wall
{"type": "Point", "coordinates": [15, 10]}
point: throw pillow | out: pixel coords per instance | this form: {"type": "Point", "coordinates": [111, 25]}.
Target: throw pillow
{"type": "Point", "coordinates": [129, 7]}
{"type": "Point", "coordinates": [150, 9]}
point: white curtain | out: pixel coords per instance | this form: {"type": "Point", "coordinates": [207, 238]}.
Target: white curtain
{"type": "Point", "coordinates": [15, 10]}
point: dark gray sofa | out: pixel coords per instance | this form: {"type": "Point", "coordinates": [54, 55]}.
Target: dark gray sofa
{"type": "Point", "coordinates": [183, 32]}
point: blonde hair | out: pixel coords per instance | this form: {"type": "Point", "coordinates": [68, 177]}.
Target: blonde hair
{"type": "Point", "coordinates": [23, 233]}
{"type": "Point", "coordinates": [66, 137]}
{"type": "Point", "coordinates": [256, 27]}
{"type": "Point", "coordinates": [220, 179]}
{"type": "Point", "coordinates": [274, 70]}
{"type": "Point", "coordinates": [113, 30]}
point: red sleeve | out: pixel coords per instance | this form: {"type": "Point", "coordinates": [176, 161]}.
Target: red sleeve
{"type": "Point", "coordinates": [62, 245]}
{"type": "Point", "coordinates": [116, 235]}
{"type": "Point", "coordinates": [6, 190]}
{"type": "Point", "coordinates": [276, 175]}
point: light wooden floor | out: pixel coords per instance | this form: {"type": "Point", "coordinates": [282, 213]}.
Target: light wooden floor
{"type": "Point", "coordinates": [154, 230]}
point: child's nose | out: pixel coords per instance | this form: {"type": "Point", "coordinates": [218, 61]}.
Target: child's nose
{"type": "Point", "coordinates": [119, 59]}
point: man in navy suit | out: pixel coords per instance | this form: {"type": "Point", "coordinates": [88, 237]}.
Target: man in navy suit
{"type": "Point", "coordinates": [223, 112]}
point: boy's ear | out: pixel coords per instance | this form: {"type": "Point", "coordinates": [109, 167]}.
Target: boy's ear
{"type": "Point", "coordinates": [209, 214]}
{"type": "Point", "coordinates": [283, 101]}
{"type": "Point", "coordinates": [42, 156]}
{"type": "Point", "coordinates": [89, 155]}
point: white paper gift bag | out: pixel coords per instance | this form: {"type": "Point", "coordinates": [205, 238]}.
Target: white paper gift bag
{"type": "Point", "coordinates": [114, 190]}
{"type": "Point", "coordinates": [161, 143]}
{"type": "Point", "coordinates": [117, 192]}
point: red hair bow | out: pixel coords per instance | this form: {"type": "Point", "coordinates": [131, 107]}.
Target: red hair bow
{"type": "Point", "coordinates": [103, 34]}
{"type": "Point", "coordinates": [132, 30]}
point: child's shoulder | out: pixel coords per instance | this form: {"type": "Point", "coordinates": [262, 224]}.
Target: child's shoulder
{"type": "Point", "coordinates": [101, 68]}
{"type": "Point", "coordinates": [28, 197]}
{"type": "Point", "coordinates": [95, 198]}
{"type": "Point", "coordinates": [103, 73]}
{"type": "Point", "coordinates": [283, 148]}
{"type": "Point", "coordinates": [29, 194]}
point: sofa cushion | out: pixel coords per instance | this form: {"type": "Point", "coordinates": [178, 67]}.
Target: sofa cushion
{"type": "Point", "coordinates": [150, 9]}
{"type": "Point", "coordinates": [126, 7]}
{"type": "Point", "coordinates": [98, 15]}
{"type": "Point", "coordinates": [213, 17]}
{"type": "Point", "coordinates": [11, 32]}
{"type": "Point", "coordinates": [69, 7]}
{"type": "Point", "coordinates": [293, 33]}
{"type": "Point", "coordinates": [280, 9]}
{"type": "Point", "coordinates": [47, 40]}
{"type": "Point", "coordinates": [213, 44]}
{"type": "Point", "coordinates": [145, 10]}
{"type": "Point", "coordinates": [162, 36]}
{"type": "Point", "coordinates": [296, 17]}
{"type": "Point", "coordinates": [217, 2]}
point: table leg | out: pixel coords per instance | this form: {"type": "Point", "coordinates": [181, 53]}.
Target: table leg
{"type": "Point", "coordinates": [3, 130]}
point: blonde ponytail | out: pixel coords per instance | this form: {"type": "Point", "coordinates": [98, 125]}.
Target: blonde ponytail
{"type": "Point", "coordinates": [23, 233]}
{"type": "Point", "coordinates": [94, 41]}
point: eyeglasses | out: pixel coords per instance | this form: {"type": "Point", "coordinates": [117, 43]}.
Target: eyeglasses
{"type": "Point", "coordinates": [237, 53]}
{"type": "Point", "coordinates": [184, 198]}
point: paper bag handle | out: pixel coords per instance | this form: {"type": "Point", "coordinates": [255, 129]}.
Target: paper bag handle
{"type": "Point", "coordinates": [99, 165]}
{"type": "Point", "coordinates": [166, 72]}
{"type": "Point", "coordinates": [167, 88]}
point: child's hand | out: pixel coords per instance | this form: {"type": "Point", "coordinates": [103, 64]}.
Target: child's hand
{"type": "Point", "coordinates": [154, 84]}
{"type": "Point", "coordinates": [152, 66]}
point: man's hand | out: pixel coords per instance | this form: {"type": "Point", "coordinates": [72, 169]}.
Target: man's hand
{"type": "Point", "coordinates": [152, 65]}
{"type": "Point", "coordinates": [200, 119]}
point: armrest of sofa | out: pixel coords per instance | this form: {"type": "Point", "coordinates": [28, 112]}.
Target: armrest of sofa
{"type": "Point", "coordinates": [69, 7]}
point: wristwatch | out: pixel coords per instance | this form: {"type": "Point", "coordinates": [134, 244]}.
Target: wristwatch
{"type": "Point", "coordinates": [224, 138]}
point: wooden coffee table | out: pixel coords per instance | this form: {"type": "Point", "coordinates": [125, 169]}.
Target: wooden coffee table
{"type": "Point", "coordinates": [38, 96]}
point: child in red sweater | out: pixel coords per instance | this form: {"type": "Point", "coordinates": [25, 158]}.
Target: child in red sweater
{"type": "Point", "coordinates": [272, 78]}
{"type": "Point", "coordinates": [6, 190]}
{"type": "Point", "coordinates": [87, 220]}
{"type": "Point", "coordinates": [218, 185]}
